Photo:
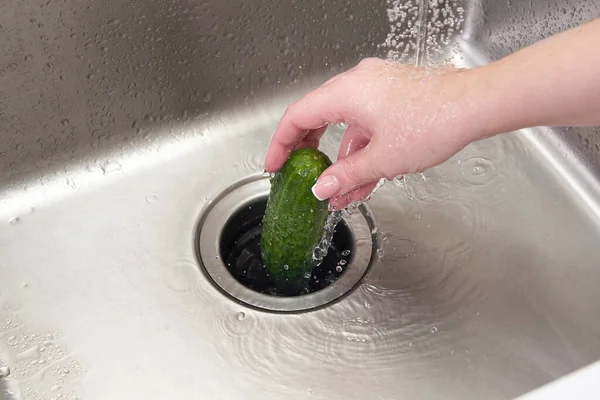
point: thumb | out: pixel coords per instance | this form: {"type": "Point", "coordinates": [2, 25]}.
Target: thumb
{"type": "Point", "coordinates": [348, 173]}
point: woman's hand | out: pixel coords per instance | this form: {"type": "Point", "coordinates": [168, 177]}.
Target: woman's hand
{"type": "Point", "coordinates": [400, 119]}
{"type": "Point", "coordinates": [405, 119]}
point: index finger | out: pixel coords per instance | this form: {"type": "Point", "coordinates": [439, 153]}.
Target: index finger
{"type": "Point", "coordinates": [318, 108]}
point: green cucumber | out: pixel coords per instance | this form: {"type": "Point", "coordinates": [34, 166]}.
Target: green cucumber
{"type": "Point", "coordinates": [294, 221]}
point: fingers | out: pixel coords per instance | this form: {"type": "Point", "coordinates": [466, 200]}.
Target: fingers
{"type": "Point", "coordinates": [349, 173]}
{"type": "Point", "coordinates": [312, 138]}
{"type": "Point", "coordinates": [341, 201]}
{"type": "Point", "coordinates": [354, 139]}
{"type": "Point", "coordinates": [311, 113]}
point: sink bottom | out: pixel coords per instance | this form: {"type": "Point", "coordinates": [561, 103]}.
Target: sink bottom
{"type": "Point", "coordinates": [483, 285]}
{"type": "Point", "coordinates": [483, 282]}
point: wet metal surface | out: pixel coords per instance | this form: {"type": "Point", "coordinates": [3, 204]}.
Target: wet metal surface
{"type": "Point", "coordinates": [121, 120]}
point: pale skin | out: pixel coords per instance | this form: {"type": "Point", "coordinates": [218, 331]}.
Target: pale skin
{"type": "Point", "coordinates": [403, 119]}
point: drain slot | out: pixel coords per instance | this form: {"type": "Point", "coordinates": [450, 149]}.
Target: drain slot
{"type": "Point", "coordinates": [228, 249]}
{"type": "Point", "coordinates": [239, 247]}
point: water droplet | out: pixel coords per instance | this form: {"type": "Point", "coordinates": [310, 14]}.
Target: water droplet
{"type": "Point", "coordinates": [417, 216]}
{"type": "Point", "coordinates": [404, 248]}
{"type": "Point", "coordinates": [65, 122]}
{"type": "Point", "coordinates": [483, 170]}
{"type": "Point", "coordinates": [110, 167]}
{"type": "Point", "coordinates": [4, 372]}
{"type": "Point", "coordinates": [478, 170]}
{"type": "Point", "coordinates": [353, 206]}
{"type": "Point", "coordinates": [346, 253]}
{"type": "Point", "coordinates": [207, 97]}
{"type": "Point", "coordinates": [151, 198]}
{"type": "Point", "coordinates": [240, 316]}
{"type": "Point", "coordinates": [343, 262]}
{"type": "Point", "coordinates": [71, 183]}
{"type": "Point", "coordinates": [338, 268]}
{"type": "Point", "coordinates": [286, 267]}
{"type": "Point", "coordinates": [14, 220]}
{"type": "Point", "coordinates": [434, 329]}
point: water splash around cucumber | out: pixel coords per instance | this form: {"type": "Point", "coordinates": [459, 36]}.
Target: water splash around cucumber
{"type": "Point", "coordinates": [334, 218]}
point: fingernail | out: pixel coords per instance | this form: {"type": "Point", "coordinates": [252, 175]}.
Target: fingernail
{"type": "Point", "coordinates": [326, 187]}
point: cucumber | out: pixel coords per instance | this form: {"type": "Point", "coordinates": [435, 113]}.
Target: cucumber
{"type": "Point", "coordinates": [294, 221]}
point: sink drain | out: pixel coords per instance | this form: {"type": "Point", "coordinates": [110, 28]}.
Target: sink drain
{"type": "Point", "coordinates": [228, 249]}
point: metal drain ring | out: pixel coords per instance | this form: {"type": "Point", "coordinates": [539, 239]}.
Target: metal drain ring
{"type": "Point", "coordinates": [239, 195]}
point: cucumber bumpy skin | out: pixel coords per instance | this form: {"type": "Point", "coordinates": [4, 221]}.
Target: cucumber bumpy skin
{"type": "Point", "coordinates": [294, 221]}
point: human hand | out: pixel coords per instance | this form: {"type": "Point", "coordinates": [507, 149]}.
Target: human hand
{"type": "Point", "coordinates": [401, 119]}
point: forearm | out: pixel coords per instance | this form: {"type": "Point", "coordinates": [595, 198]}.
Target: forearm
{"type": "Point", "coordinates": [554, 82]}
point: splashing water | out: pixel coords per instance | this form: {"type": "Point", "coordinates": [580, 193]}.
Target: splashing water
{"type": "Point", "coordinates": [334, 218]}
{"type": "Point", "coordinates": [321, 250]}
{"type": "Point", "coordinates": [376, 188]}
{"type": "Point", "coordinates": [421, 29]}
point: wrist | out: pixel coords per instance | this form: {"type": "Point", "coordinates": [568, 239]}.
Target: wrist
{"type": "Point", "coordinates": [488, 102]}
{"type": "Point", "coordinates": [467, 110]}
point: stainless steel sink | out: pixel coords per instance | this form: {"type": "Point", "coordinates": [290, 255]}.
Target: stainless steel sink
{"type": "Point", "coordinates": [121, 121]}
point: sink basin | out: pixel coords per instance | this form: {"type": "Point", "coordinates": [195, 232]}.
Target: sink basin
{"type": "Point", "coordinates": [122, 122]}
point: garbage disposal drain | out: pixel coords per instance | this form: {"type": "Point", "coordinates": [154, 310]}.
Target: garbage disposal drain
{"type": "Point", "coordinates": [228, 249]}
{"type": "Point", "coordinates": [239, 248]}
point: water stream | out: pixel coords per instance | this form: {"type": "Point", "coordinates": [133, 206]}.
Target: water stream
{"type": "Point", "coordinates": [421, 38]}
{"type": "Point", "coordinates": [336, 216]}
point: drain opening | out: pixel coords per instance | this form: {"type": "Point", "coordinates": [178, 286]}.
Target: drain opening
{"type": "Point", "coordinates": [228, 251]}
{"type": "Point", "coordinates": [239, 247]}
